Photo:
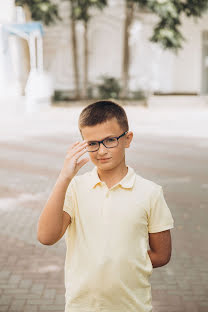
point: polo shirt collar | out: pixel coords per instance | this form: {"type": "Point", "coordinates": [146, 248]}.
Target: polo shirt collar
{"type": "Point", "coordinates": [126, 182]}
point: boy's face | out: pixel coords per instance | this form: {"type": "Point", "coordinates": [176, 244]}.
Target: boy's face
{"type": "Point", "coordinates": [107, 158]}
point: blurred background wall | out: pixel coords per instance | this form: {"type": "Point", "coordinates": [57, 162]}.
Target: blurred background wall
{"type": "Point", "coordinates": [166, 72]}
{"type": "Point", "coordinates": [151, 66]}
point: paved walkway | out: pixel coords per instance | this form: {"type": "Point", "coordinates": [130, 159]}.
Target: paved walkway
{"type": "Point", "coordinates": [170, 148]}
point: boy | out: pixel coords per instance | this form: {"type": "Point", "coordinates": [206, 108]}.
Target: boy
{"type": "Point", "coordinates": [110, 214]}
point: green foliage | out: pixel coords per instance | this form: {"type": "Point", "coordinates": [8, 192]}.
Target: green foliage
{"type": "Point", "coordinates": [109, 87]}
{"type": "Point", "coordinates": [194, 7]}
{"type": "Point", "coordinates": [167, 32]}
{"type": "Point", "coordinates": [90, 92]}
{"type": "Point", "coordinates": [44, 11]}
{"type": "Point", "coordinates": [138, 95]}
{"type": "Point", "coordinates": [57, 96]}
{"type": "Point", "coordinates": [80, 8]}
{"type": "Point", "coordinates": [64, 96]}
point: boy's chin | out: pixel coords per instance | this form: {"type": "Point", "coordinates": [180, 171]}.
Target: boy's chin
{"type": "Point", "coordinates": [105, 166]}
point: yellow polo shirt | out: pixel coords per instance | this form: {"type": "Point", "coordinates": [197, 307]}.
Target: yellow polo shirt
{"type": "Point", "coordinates": [107, 266]}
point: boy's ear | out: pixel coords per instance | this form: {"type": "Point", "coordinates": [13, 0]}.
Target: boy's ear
{"type": "Point", "coordinates": [128, 138]}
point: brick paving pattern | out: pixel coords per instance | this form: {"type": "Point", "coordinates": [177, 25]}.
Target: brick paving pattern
{"type": "Point", "coordinates": [32, 153]}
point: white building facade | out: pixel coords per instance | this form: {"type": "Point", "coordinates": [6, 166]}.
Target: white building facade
{"type": "Point", "coordinates": [150, 68]}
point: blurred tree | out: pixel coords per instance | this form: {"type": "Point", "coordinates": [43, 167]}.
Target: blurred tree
{"type": "Point", "coordinates": [166, 32]}
{"type": "Point", "coordinates": [109, 87]}
{"type": "Point", "coordinates": [81, 12]}
{"type": "Point", "coordinates": [130, 7]}
{"type": "Point", "coordinates": [73, 7]}
{"type": "Point", "coordinates": [44, 11]}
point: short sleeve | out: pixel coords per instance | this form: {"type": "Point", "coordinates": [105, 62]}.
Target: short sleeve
{"type": "Point", "coordinates": [160, 217]}
{"type": "Point", "coordinates": [69, 200]}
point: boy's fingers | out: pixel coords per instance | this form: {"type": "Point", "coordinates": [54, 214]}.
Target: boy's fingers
{"type": "Point", "coordinates": [78, 148]}
{"type": "Point", "coordinates": [75, 145]}
{"type": "Point", "coordinates": [79, 153]}
{"type": "Point", "coordinates": [82, 162]}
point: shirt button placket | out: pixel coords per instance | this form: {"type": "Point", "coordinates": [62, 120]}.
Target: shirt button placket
{"type": "Point", "coordinates": [106, 196]}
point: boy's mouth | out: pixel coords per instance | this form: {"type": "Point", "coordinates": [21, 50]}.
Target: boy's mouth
{"type": "Point", "coordinates": [103, 159]}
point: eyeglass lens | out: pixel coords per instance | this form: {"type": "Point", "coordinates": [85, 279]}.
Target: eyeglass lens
{"type": "Point", "coordinates": [109, 142]}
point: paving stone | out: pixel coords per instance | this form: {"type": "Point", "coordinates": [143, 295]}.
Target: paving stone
{"type": "Point", "coordinates": [202, 309]}
{"type": "Point", "coordinates": [5, 300]}
{"type": "Point", "coordinates": [4, 308]}
{"type": "Point", "coordinates": [4, 274]}
{"type": "Point", "coordinates": [191, 306]}
{"type": "Point", "coordinates": [49, 293]}
{"type": "Point", "coordinates": [17, 304]}
{"type": "Point", "coordinates": [26, 296]}
{"type": "Point", "coordinates": [14, 279]}
{"type": "Point", "coordinates": [25, 283]}
{"type": "Point", "coordinates": [39, 301]}
{"type": "Point", "coordinates": [59, 299]}
{"type": "Point", "coordinates": [203, 303]}
{"type": "Point", "coordinates": [30, 308]}
{"type": "Point", "coordinates": [52, 308]}
{"type": "Point", "coordinates": [6, 286]}
{"type": "Point", "coordinates": [16, 291]}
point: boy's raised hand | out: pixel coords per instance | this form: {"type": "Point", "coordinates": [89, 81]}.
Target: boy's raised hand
{"type": "Point", "coordinates": [71, 164]}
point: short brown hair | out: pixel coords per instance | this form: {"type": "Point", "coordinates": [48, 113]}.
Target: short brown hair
{"type": "Point", "coordinates": [101, 111]}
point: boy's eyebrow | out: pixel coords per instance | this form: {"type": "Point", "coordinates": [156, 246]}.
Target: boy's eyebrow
{"type": "Point", "coordinates": [110, 136]}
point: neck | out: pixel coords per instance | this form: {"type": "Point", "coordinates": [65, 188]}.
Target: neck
{"type": "Point", "coordinates": [113, 176]}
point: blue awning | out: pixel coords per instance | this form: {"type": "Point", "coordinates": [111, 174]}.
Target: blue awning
{"type": "Point", "coordinates": [27, 28]}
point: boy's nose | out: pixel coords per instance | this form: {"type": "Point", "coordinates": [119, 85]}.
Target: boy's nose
{"type": "Point", "coordinates": [102, 150]}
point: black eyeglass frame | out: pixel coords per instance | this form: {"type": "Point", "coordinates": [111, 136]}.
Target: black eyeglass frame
{"type": "Point", "coordinates": [102, 141]}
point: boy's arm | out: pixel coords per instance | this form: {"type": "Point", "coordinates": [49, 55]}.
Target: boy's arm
{"type": "Point", "coordinates": [160, 248]}
{"type": "Point", "coordinates": [52, 219]}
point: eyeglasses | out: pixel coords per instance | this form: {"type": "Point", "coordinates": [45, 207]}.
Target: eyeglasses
{"type": "Point", "coordinates": [94, 146]}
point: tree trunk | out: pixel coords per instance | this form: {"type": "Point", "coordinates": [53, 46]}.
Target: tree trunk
{"type": "Point", "coordinates": [129, 14]}
{"type": "Point", "coordinates": [85, 83]}
{"type": "Point", "coordinates": [74, 54]}
{"type": "Point", "coordinates": [25, 53]}
{"type": "Point", "coordinates": [27, 12]}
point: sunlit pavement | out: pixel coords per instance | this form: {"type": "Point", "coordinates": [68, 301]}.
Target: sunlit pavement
{"type": "Point", "coordinates": [169, 147]}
